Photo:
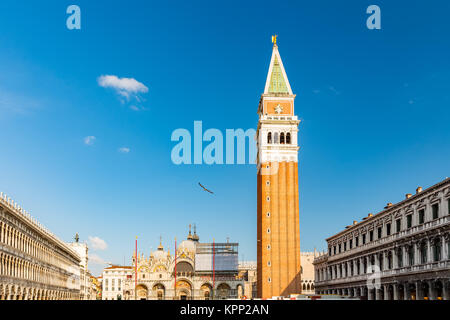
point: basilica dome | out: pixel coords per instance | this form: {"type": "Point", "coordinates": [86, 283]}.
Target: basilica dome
{"type": "Point", "coordinates": [187, 245]}
{"type": "Point", "coordinates": [159, 254]}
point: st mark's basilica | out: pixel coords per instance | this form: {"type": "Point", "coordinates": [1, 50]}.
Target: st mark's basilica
{"type": "Point", "coordinates": [199, 271]}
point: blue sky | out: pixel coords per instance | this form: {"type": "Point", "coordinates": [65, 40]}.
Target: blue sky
{"type": "Point", "coordinates": [374, 106]}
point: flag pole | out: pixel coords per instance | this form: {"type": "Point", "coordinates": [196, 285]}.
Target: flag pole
{"type": "Point", "coordinates": [135, 272]}
{"type": "Point", "coordinates": [175, 286]}
{"type": "Point", "coordinates": [214, 268]}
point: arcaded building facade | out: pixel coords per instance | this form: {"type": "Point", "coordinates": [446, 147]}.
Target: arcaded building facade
{"type": "Point", "coordinates": [401, 253]}
{"type": "Point", "coordinates": [247, 273]}
{"type": "Point", "coordinates": [34, 264]}
{"type": "Point", "coordinates": [307, 271]}
{"type": "Point", "coordinates": [82, 250]}
{"type": "Point", "coordinates": [278, 235]}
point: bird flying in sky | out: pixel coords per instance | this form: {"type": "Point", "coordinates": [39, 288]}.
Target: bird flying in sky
{"type": "Point", "coordinates": [205, 188]}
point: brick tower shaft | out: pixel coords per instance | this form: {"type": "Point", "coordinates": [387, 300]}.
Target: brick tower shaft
{"type": "Point", "coordinates": [278, 234]}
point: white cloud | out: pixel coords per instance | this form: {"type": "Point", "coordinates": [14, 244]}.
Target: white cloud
{"type": "Point", "coordinates": [137, 108]}
{"type": "Point", "coordinates": [125, 87]}
{"type": "Point", "coordinates": [124, 150]}
{"type": "Point", "coordinates": [17, 103]}
{"type": "Point", "coordinates": [95, 259]}
{"type": "Point", "coordinates": [97, 243]}
{"type": "Point", "coordinates": [334, 90]}
{"type": "Point", "coordinates": [89, 140]}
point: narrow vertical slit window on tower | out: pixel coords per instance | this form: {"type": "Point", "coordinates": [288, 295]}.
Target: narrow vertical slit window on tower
{"type": "Point", "coordinates": [282, 138]}
{"type": "Point", "coordinates": [288, 138]}
{"type": "Point", "coordinates": [275, 138]}
{"type": "Point", "coordinates": [269, 138]}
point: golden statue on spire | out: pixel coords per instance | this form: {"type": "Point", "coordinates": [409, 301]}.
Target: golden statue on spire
{"type": "Point", "coordinates": [274, 39]}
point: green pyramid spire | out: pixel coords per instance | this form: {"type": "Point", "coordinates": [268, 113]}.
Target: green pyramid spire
{"type": "Point", "coordinates": [277, 81]}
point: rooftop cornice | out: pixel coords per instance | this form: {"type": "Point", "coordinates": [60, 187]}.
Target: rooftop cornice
{"type": "Point", "coordinates": [390, 209]}
{"type": "Point", "coordinates": [26, 217]}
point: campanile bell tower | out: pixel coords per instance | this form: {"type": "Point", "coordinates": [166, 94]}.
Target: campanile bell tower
{"type": "Point", "coordinates": [278, 230]}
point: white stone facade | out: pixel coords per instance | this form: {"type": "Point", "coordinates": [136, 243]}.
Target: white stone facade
{"type": "Point", "coordinates": [401, 253]}
{"type": "Point", "coordinates": [307, 271]}
{"type": "Point", "coordinates": [269, 148]}
{"type": "Point", "coordinates": [34, 263]}
{"type": "Point", "coordinates": [247, 272]}
{"type": "Point", "coordinates": [82, 250]}
{"type": "Point", "coordinates": [113, 281]}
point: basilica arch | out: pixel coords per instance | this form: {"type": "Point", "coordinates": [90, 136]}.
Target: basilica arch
{"type": "Point", "coordinates": [159, 291]}
{"type": "Point", "coordinates": [184, 290]}
{"type": "Point", "coordinates": [142, 292]}
{"type": "Point", "coordinates": [206, 291]}
{"type": "Point", "coordinates": [223, 291]}
{"type": "Point", "coordinates": [185, 269]}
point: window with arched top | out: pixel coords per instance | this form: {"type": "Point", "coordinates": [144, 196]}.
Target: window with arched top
{"type": "Point", "coordinates": [282, 138]}
{"type": "Point", "coordinates": [275, 137]}
{"type": "Point", "coordinates": [288, 138]}
{"type": "Point", "coordinates": [184, 267]}
{"type": "Point", "coordinates": [269, 138]}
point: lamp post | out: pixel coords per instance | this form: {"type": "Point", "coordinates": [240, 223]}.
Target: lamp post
{"type": "Point", "coordinates": [214, 269]}
{"type": "Point", "coordinates": [175, 286]}
{"type": "Point", "coordinates": [135, 272]}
